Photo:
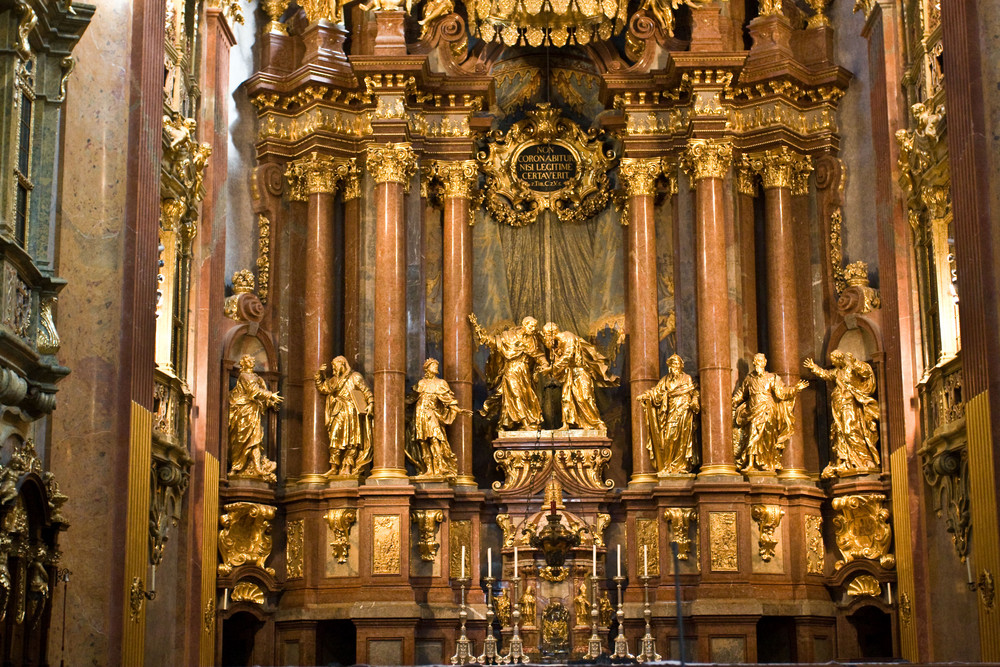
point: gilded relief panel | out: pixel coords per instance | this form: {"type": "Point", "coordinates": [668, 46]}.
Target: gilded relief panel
{"type": "Point", "coordinates": [723, 541]}
{"type": "Point", "coordinates": [386, 550]}
{"type": "Point", "coordinates": [648, 547]}
{"type": "Point", "coordinates": [459, 535]}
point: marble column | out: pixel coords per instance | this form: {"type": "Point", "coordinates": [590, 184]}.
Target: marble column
{"type": "Point", "coordinates": [638, 175]}
{"type": "Point", "coordinates": [351, 194]}
{"type": "Point", "coordinates": [783, 172]}
{"type": "Point", "coordinates": [391, 165]}
{"type": "Point", "coordinates": [710, 160]}
{"type": "Point", "coordinates": [313, 180]}
{"type": "Point", "coordinates": [458, 181]}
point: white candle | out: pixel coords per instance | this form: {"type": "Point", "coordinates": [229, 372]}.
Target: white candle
{"type": "Point", "coordinates": [463, 563]}
{"type": "Point", "coordinates": [645, 560]}
{"type": "Point", "coordinates": [619, 560]}
{"type": "Point", "coordinates": [888, 589]}
{"type": "Point", "coordinates": [595, 561]}
{"type": "Point", "coordinates": [489, 562]}
{"type": "Point", "coordinates": [515, 562]}
{"type": "Point", "coordinates": [968, 568]}
{"type": "Point", "coordinates": [152, 580]}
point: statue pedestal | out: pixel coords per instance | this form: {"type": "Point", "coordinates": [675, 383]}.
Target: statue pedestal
{"type": "Point", "coordinates": [575, 458]}
{"type": "Point", "coordinates": [389, 37]}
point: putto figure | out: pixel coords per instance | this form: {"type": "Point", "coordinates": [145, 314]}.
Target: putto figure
{"type": "Point", "coordinates": [516, 356]}
{"type": "Point", "coordinates": [763, 414]}
{"type": "Point", "coordinates": [578, 366]}
{"type": "Point", "coordinates": [248, 401]}
{"type": "Point", "coordinates": [435, 407]}
{"type": "Point", "coordinates": [348, 418]}
{"type": "Point", "coordinates": [669, 408]}
{"type": "Point", "coordinates": [854, 430]}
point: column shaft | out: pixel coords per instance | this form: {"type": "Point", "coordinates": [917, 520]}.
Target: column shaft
{"type": "Point", "coordinates": [317, 339]}
{"type": "Point", "coordinates": [457, 304]}
{"type": "Point", "coordinates": [712, 292]}
{"type": "Point", "coordinates": [352, 276]}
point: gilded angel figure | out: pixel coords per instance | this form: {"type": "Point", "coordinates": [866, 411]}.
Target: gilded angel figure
{"type": "Point", "coordinates": [854, 429]}
{"type": "Point", "coordinates": [669, 408]}
{"type": "Point", "coordinates": [436, 406]}
{"type": "Point", "coordinates": [248, 401]}
{"type": "Point", "coordinates": [578, 366]}
{"type": "Point", "coordinates": [516, 356]}
{"type": "Point", "coordinates": [348, 417]}
{"type": "Point", "coordinates": [763, 408]}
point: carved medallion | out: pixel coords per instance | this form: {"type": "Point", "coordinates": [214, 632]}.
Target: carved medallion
{"type": "Point", "coordinates": [545, 162]}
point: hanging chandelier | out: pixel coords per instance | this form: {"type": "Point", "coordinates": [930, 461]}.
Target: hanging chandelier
{"type": "Point", "coordinates": [546, 22]}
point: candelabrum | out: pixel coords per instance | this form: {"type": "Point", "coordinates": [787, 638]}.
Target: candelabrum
{"type": "Point", "coordinates": [515, 650]}
{"type": "Point", "coordinates": [463, 647]}
{"type": "Point", "coordinates": [594, 647]}
{"type": "Point", "coordinates": [489, 656]}
{"type": "Point", "coordinates": [648, 653]}
{"type": "Point", "coordinates": [621, 644]}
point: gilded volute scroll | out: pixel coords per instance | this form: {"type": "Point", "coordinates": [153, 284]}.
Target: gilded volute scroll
{"type": "Point", "coordinates": [669, 409]}
{"type": "Point", "coordinates": [763, 408]}
{"type": "Point", "coordinates": [348, 418]}
{"type": "Point", "coordinates": [248, 402]}
{"type": "Point", "coordinates": [855, 412]}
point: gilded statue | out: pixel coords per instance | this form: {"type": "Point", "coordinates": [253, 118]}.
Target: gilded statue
{"type": "Point", "coordinates": [854, 429]}
{"type": "Point", "coordinates": [502, 604]}
{"type": "Point", "coordinates": [763, 413]}
{"type": "Point", "coordinates": [582, 605]}
{"type": "Point", "coordinates": [433, 11]}
{"type": "Point", "coordinates": [607, 612]}
{"type": "Point", "coordinates": [248, 402]}
{"type": "Point", "coordinates": [670, 408]}
{"type": "Point", "coordinates": [516, 357]}
{"type": "Point", "coordinates": [348, 417]}
{"type": "Point", "coordinates": [578, 366]}
{"type": "Point", "coordinates": [528, 608]}
{"type": "Point", "coordinates": [436, 406]}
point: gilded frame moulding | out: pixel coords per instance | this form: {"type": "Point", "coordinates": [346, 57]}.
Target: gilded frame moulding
{"type": "Point", "coordinates": [507, 160]}
{"type": "Point", "coordinates": [340, 521]}
{"type": "Point", "coordinates": [264, 257]}
{"type": "Point", "coordinates": [295, 549]}
{"type": "Point", "coordinates": [459, 535]}
{"type": "Point", "coordinates": [767, 518]}
{"type": "Point", "coordinates": [245, 536]}
{"type": "Point", "coordinates": [815, 547]}
{"type": "Point", "coordinates": [862, 529]}
{"type": "Point", "coordinates": [648, 546]}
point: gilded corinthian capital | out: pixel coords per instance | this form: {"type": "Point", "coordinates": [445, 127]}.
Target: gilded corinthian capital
{"type": "Point", "coordinates": [639, 175]}
{"type": "Point", "coordinates": [317, 174]}
{"type": "Point", "coordinates": [453, 179]}
{"type": "Point", "coordinates": [709, 158]}
{"type": "Point", "coordinates": [391, 163]}
{"type": "Point", "coordinates": [782, 168]}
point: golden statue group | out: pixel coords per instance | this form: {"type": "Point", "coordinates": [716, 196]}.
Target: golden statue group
{"type": "Point", "coordinates": [520, 355]}
{"type": "Point", "coordinates": [763, 408]}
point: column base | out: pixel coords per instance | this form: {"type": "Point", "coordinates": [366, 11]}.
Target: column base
{"type": "Point", "coordinates": [720, 469]}
{"type": "Point", "coordinates": [310, 478]}
{"type": "Point", "coordinates": [466, 480]}
{"type": "Point", "coordinates": [796, 474]}
{"type": "Point", "coordinates": [643, 478]}
{"type": "Point", "coordinates": [388, 476]}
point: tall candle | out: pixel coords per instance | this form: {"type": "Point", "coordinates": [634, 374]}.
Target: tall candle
{"type": "Point", "coordinates": [489, 562]}
{"type": "Point", "coordinates": [595, 561]}
{"type": "Point", "coordinates": [619, 560]}
{"type": "Point", "coordinates": [888, 590]}
{"type": "Point", "coordinates": [968, 568]}
{"type": "Point", "coordinates": [515, 562]}
{"type": "Point", "coordinates": [645, 560]}
{"type": "Point", "coordinates": [463, 563]}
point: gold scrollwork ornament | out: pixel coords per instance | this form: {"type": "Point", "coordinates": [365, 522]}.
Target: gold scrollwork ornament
{"type": "Point", "coordinates": [391, 163]}
{"type": "Point", "coordinates": [340, 521]}
{"type": "Point", "coordinates": [427, 522]}
{"type": "Point", "coordinates": [708, 158]}
{"type": "Point", "coordinates": [862, 529]}
{"type": "Point", "coordinates": [679, 522]}
{"type": "Point", "coordinates": [245, 536]}
{"type": "Point", "coordinates": [767, 517]}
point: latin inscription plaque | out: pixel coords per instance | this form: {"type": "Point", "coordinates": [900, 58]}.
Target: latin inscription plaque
{"type": "Point", "coordinates": [545, 167]}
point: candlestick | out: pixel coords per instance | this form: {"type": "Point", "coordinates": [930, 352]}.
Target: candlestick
{"type": "Point", "coordinates": [463, 563]}
{"type": "Point", "coordinates": [463, 645]}
{"type": "Point", "coordinates": [621, 643]}
{"type": "Point", "coordinates": [619, 560]}
{"type": "Point", "coordinates": [489, 656]}
{"type": "Point", "coordinates": [515, 650]}
{"type": "Point", "coordinates": [648, 643]}
{"type": "Point", "coordinates": [594, 647]}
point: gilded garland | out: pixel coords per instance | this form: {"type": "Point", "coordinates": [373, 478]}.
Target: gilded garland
{"type": "Point", "coordinates": [545, 162]}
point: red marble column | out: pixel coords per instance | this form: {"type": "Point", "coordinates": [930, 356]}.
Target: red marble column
{"type": "Point", "coordinates": [710, 161]}
{"type": "Point", "coordinates": [458, 178]}
{"type": "Point", "coordinates": [391, 166]}
{"type": "Point", "coordinates": [313, 179]}
{"type": "Point", "coordinates": [641, 321]}
{"type": "Point", "coordinates": [352, 268]}
{"type": "Point", "coordinates": [781, 171]}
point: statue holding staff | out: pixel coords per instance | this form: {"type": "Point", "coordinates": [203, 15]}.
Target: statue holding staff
{"type": "Point", "coordinates": [763, 414]}
{"type": "Point", "coordinates": [348, 417]}
{"type": "Point", "coordinates": [436, 406]}
{"type": "Point", "coordinates": [248, 401]}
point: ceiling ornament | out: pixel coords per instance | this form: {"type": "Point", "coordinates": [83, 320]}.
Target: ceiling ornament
{"type": "Point", "coordinates": [545, 162]}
